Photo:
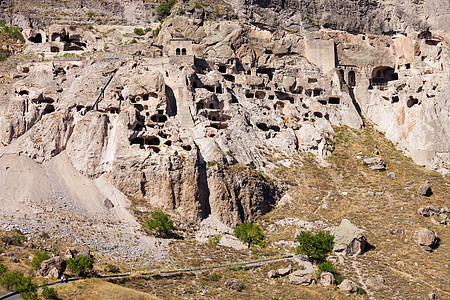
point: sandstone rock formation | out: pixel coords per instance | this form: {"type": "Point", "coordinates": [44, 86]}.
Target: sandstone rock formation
{"type": "Point", "coordinates": [424, 190]}
{"type": "Point", "coordinates": [301, 277]}
{"type": "Point", "coordinates": [53, 267]}
{"type": "Point", "coordinates": [349, 238]}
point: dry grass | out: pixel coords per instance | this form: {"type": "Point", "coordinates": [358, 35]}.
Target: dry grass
{"type": "Point", "coordinates": [99, 289]}
{"type": "Point", "coordinates": [377, 204]}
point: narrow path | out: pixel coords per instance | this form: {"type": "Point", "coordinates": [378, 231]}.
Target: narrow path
{"type": "Point", "coordinates": [15, 295]}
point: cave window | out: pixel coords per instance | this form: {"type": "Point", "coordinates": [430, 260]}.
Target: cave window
{"type": "Point", "coordinates": [211, 105]}
{"type": "Point", "coordinates": [408, 66]}
{"type": "Point", "coordinates": [145, 97]}
{"type": "Point", "coordinates": [36, 39]}
{"type": "Point", "coordinates": [54, 49]}
{"type": "Point", "coordinates": [334, 100]}
{"type": "Point", "coordinates": [178, 51]}
{"type": "Point", "coordinates": [352, 78]}
{"type": "Point", "coordinates": [317, 92]}
{"type": "Point", "coordinates": [183, 51]}
{"type": "Point", "coordinates": [378, 73]}
{"type": "Point", "coordinates": [271, 97]}
{"type": "Point", "coordinates": [411, 102]}
{"type": "Point", "coordinates": [222, 69]}
{"type": "Point", "coordinates": [395, 99]}
{"type": "Point", "coordinates": [219, 89]}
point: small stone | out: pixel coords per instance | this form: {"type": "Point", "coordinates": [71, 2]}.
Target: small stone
{"type": "Point", "coordinates": [14, 259]}
{"type": "Point", "coordinates": [284, 271]}
{"type": "Point", "coordinates": [391, 175]}
{"type": "Point", "coordinates": [400, 263]}
{"type": "Point", "coordinates": [432, 296]}
{"type": "Point", "coordinates": [272, 274]}
{"type": "Point", "coordinates": [424, 190]}
{"type": "Point", "coordinates": [409, 182]}
{"type": "Point", "coordinates": [232, 285]}
{"type": "Point", "coordinates": [348, 286]}
{"type": "Point", "coordinates": [375, 163]}
{"type": "Point", "coordinates": [434, 221]}
{"type": "Point", "coordinates": [301, 277]}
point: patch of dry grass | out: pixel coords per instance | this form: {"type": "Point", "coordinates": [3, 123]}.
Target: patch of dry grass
{"type": "Point", "coordinates": [99, 289]}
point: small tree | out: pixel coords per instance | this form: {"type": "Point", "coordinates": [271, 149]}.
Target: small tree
{"type": "Point", "coordinates": [163, 10]}
{"type": "Point", "coordinates": [16, 281]}
{"type": "Point", "coordinates": [38, 258]}
{"type": "Point", "coordinates": [315, 246]}
{"type": "Point", "coordinates": [139, 31]}
{"type": "Point", "coordinates": [250, 234]}
{"type": "Point", "coordinates": [160, 224]}
{"type": "Point", "coordinates": [3, 269]}
{"type": "Point", "coordinates": [49, 293]}
{"type": "Point", "coordinates": [80, 265]}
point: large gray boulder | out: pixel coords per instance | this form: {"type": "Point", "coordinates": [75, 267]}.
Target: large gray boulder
{"type": "Point", "coordinates": [427, 239]}
{"type": "Point", "coordinates": [349, 238]}
{"type": "Point", "coordinates": [376, 282]}
{"type": "Point", "coordinates": [53, 267]}
{"type": "Point", "coordinates": [301, 277]}
{"type": "Point", "coordinates": [348, 286]}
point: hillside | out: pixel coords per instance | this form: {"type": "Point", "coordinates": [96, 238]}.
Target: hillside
{"type": "Point", "coordinates": [293, 115]}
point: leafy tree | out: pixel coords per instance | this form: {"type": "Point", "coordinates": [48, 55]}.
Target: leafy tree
{"type": "Point", "coordinates": [250, 234]}
{"type": "Point", "coordinates": [38, 258]}
{"type": "Point", "coordinates": [139, 31]}
{"type": "Point", "coordinates": [160, 224]}
{"type": "Point", "coordinates": [80, 265]}
{"type": "Point", "coordinates": [16, 281]}
{"type": "Point", "coordinates": [315, 246]}
{"type": "Point", "coordinates": [163, 10]}
{"type": "Point", "coordinates": [49, 293]}
{"type": "Point", "coordinates": [3, 269]}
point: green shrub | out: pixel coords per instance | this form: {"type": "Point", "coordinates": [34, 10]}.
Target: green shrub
{"type": "Point", "coordinates": [163, 10]}
{"type": "Point", "coordinates": [3, 269]}
{"type": "Point", "coordinates": [214, 240]}
{"type": "Point", "coordinates": [148, 29]}
{"type": "Point", "coordinates": [250, 234]}
{"type": "Point", "coordinates": [38, 258]}
{"type": "Point", "coordinates": [197, 4]}
{"type": "Point", "coordinates": [90, 13]}
{"type": "Point", "coordinates": [49, 293]}
{"type": "Point", "coordinates": [133, 41]}
{"type": "Point", "coordinates": [112, 268]}
{"type": "Point", "coordinates": [160, 224]}
{"type": "Point", "coordinates": [139, 31]}
{"type": "Point", "coordinates": [13, 32]}
{"type": "Point", "coordinates": [315, 246]}
{"type": "Point", "coordinates": [156, 32]}
{"type": "Point", "coordinates": [16, 281]}
{"type": "Point", "coordinates": [327, 267]}
{"type": "Point", "coordinates": [80, 265]}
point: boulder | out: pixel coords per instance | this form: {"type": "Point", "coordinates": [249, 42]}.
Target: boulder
{"type": "Point", "coordinates": [327, 279]}
{"type": "Point", "coordinates": [424, 190]}
{"type": "Point", "coordinates": [427, 239]}
{"type": "Point", "coordinates": [349, 238]}
{"type": "Point", "coordinates": [232, 285]}
{"type": "Point", "coordinates": [13, 259]}
{"type": "Point", "coordinates": [53, 266]}
{"type": "Point", "coordinates": [303, 277]}
{"type": "Point", "coordinates": [391, 175]}
{"type": "Point", "coordinates": [284, 271]}
{"type": "Point", "coordinates": [272, 274]}
{"type": "Point", "coordinates": [375, 163]}
{"type": "Point", "coordinates": [348, 286]}
{"type": "Point", "coordinates": [375, 282]}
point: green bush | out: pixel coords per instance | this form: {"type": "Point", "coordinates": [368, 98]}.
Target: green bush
{"type": "Point", "coordinates": [160, 224]}
{"type": "Point", "coordinates": [49, 293]}
{"type": "Point", "coordinates": [13, 32]}
{"type": "Point", "coordinates": [38, 258]}
{"type": "Point", "coordinates": [156, 32]}
{"type": "Point", "coordinates": [250, 234]}
{"type": "Point", "coordinates": [327, 267]}
{"type": "Point", "coordinates": [112, 268]}
{"type": "Point", "coordinates": [16, 281]}
{"type": "Point", "coordinates": [139, 31]}
{"type": "Point", "coordinates": [3, 269]}
{"type": "Point", "coordinates": [197, 4]}
{"type": "Point", "coordinates": [315, 246]}
{"type": "Point", "coordinates": [214, 240]}
{"type": "Point", "coordinates": [163, 10]}
{"type": "Point", "coordinates": [80, 265]}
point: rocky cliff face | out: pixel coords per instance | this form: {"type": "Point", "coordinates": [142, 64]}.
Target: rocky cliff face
{"type": "Point", "coordinates": [195, 133]}
{"type": "Point", "coordinates": [363, 16]}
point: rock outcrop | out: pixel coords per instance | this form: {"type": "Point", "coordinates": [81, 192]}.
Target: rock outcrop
{"type": "Point", "coordinates": [349, 239]}
{"type": "Point", "coordinates": [427, 239]}
{"type": "Point", "coordinates": [53, 267]}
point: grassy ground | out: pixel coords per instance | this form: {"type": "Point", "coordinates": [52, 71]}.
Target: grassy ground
{"type": "Point", "coordinates": [376, 203]}
{"type": "Point", "coordinates": [99, 289]}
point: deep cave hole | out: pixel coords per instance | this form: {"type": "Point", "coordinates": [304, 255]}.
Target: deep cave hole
{"type": "Point", "coordinates": [36, 39]}
{"type": "Point", "coordinates": [411, 101]}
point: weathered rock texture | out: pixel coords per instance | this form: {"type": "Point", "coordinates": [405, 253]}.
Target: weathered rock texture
{"type": "Point", "coordinates": [349, 238]}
